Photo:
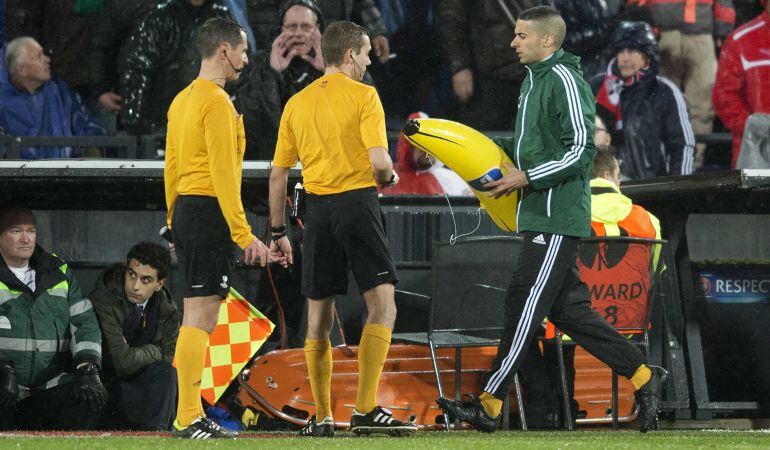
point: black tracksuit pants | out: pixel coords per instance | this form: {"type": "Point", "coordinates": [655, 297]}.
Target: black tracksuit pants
{"type": "Point", "coordinates": [546, 283]}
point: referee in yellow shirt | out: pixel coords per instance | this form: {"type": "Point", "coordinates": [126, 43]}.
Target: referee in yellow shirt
{"type": "Point", "coordinates": [204, 157]}
{"type": "Point", "coordinates": [336, 128]}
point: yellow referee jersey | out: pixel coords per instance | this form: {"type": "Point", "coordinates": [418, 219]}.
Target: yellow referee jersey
{"type": "Point", "coordinates": [329, 127]}
{"type": "Point", "coordinates": [205, 143]}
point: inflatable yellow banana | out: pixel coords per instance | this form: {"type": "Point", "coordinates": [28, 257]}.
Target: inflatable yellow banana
{"type": "Point", "coordinates": [471, 155]}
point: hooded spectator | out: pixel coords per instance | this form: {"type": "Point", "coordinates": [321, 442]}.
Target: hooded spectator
{"type": "Point", "coordinates": [648, 121]}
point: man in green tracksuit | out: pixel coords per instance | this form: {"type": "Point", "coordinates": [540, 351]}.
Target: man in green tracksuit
{"type": "Point", "coordinates": [553, 150]}
{"type": "Point", "coordinates": [50, 344]}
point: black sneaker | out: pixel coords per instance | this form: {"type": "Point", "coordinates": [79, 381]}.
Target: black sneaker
{"type": "Point", "coordinates": [471, 412]}
{"type": "Point", "coordinates": [648, 399]}
{"type": "Point", "coordinates": [324, 428]}
{"type": "Point", "coordinates": [202, 428]}
{"type": "Point", "coordinates": [379, 420]}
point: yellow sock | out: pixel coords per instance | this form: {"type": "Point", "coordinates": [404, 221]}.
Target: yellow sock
{"type": "Point", "coordinates": [372, 352]}
{"type": "Point", "coordinates": [641, 376]}
{"type": "Point", "coordinates": [492, 405]}
{"type": "Point", "coordinates": [318, 355]}
{"type": "Point", "coordinates": [190, 358]}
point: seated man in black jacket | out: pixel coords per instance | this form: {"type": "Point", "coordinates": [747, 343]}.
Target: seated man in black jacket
{"type": "Point", "coordinates": [140, 324]}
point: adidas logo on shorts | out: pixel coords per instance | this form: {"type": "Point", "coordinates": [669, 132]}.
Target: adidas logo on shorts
{"type": "Point", "coordinates": [539, 239]}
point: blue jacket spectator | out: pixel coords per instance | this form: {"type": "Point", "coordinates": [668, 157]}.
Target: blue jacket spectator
{"type": "Point", "coordinates": [34, 104]}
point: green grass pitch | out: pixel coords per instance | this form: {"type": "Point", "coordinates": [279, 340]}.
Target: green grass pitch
{"type": "Point", "coordinates": [593, 440]}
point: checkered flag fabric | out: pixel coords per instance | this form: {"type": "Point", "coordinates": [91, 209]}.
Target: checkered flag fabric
{"type": "Point", "coordinates": [241, 330]}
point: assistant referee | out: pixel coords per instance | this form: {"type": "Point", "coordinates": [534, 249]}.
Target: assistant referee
{"type": "Point", "coordinates": [336, 128]}
{"type": "Point", "coordinates": [204, 157]}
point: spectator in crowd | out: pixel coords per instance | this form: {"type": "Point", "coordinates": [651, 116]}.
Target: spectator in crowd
{"type": "Point", "coordinates": [590, 24]}
{"type": "Point", "coordinates": [486, 75]}
{"type": "Point", "coordinates": [264, 13]}
{"type": "Point", "coordinates": [420, 173]}
{"type": "Point", "coordinates": [648, 114]}
{"type": "Point", "coordinates": [50, 346]}
{"type": "Point", "coordinates": [689, 31]}
{"type": "Point", "coordinates": [32, 103]}
{"type": "Point", "coordinates": [64, 28]}
{"type": "Point", "coordinates": [140, 324]}
{"type": "Point", "coordinates": [742, 86]}
{"type": "Point", "coordinates": [294, 62]}
{"type": "Point", "coordinates": [159, 59]}
{"type": "Point", "coordinates": [117, 20]}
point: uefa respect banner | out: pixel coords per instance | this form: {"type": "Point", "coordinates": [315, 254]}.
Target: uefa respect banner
{"type": "Point", "coordinates": [735, 284]}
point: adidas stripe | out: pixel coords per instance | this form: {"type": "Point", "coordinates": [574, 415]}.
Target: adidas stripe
{"type": "Point", "coordinates": [526, 318]}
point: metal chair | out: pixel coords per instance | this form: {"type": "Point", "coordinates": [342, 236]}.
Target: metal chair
{"type": "Point", "coordinates": [467, 302]}
{"type": "Point", "coordinates": [620, 273]}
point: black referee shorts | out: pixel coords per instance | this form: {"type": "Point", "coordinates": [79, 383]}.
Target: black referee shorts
{"type": "Point", "coordinates": [344, 232]}
{"type": "Point", "coordinates": [203, 245]}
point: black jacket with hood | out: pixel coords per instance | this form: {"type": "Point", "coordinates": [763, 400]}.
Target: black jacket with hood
{"type": "Point", "coordinates": [648, 114]}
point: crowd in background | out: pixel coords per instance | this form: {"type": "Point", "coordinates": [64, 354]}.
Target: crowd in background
{"type": "Point", "coordinates": [96, 67]}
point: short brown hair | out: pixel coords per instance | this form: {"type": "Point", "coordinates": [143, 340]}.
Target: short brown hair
{"type": "Point", "coordinates": [338, 38]}
{"type": "Point", "coordinates": [15, 214]}
{"type": "Point", "coordinates": [547, 20]}
{"type": "Point", "coordinates": [604, 161]}
{"type": "Point", "coordinates": [216, 31]}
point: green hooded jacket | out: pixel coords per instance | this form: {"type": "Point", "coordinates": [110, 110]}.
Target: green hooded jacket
{"type": "Point", "coordinates": [45, 334]}
{"type": "Point", "coordinates": [554, 144]}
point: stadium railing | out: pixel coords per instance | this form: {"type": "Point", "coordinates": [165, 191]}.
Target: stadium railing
{"type": "Point", "coordinates": [150, 146]}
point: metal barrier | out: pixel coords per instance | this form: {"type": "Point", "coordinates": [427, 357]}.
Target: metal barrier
{"type": "Point", "coordinates": [146, 146]}
{"type": "Point", "coordinates": [15, 143]}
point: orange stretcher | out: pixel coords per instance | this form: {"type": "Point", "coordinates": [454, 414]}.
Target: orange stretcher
{"type": "Point", "coordinates": [277, 385]}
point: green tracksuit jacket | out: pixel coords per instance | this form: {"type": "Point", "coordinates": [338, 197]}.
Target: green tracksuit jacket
{"type": "Point", "coordinates": [554, 144]}
{"type": "Point", "coordinates": [47, 332]}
